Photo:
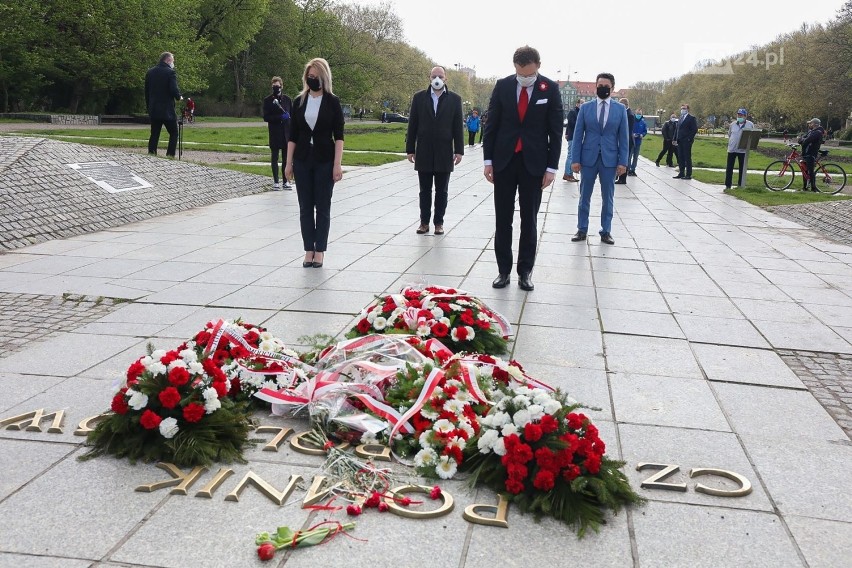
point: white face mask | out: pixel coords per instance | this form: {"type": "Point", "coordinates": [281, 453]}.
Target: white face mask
{"type": "Point", "coordinates": [437, 83]}
{"type": "Point", "coordinates": [526, 81]}
{"type": "Point", "coordinates": [673, 119]}
{"type": "Point", "coordinates": [683, 112]}
{"type": "Point", "coordinates": [172, 64]}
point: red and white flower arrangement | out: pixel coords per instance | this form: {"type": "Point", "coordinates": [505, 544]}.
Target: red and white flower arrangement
{"type": "Point", "coordinates": [459, 320]}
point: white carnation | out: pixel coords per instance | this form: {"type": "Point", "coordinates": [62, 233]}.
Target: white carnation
{"type": "Point", "coordinates": [156, 368]}
{"type": "Point", "coordinates": [552, 406]}
{"type": "Point", "coordinates": [499, 419]}
{"type": "Point", "coordinates": [212, 405]}
{"type": "Point", "coordinates": [520, 401]}
{"type": "Point", "coordinates": [509, 429]}
{"type": "Point", "coordinates": [169, 427]}
{"type": "Point", "coordinates": [158, 354]}
{"type": "Point", "coordinates": [487, 440]}
{"type": "Point", "coordinates": [137, 400]}
{"type": "Point", "coordinates": [437, 313]}
{"type": "Point", "coordinates": [521, 418]}
{"type": "Point", "coordinates": [536, 411]}
{"type": "Point", "coordinates": [195, 368]}
{"type": "Point", "coordinates": [188, 355]}
{"type": "Point", "coordinates": [210, 394]}
{"type": "Point", "coordinates": [499, 447]}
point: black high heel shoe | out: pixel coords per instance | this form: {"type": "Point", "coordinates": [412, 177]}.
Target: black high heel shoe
{"type": "Point", "coordinates": [308, 263]}
{"type": "Point", "coordinates": [316, 264]}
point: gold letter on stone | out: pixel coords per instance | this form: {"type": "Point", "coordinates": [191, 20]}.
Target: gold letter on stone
{"type": "Point", "coordinates": [745, 484]}
{"type": "Point", "coordinates": [88, 424]}
{"type": "Point", "coordinates": [281, 433]}
{"type": "Point", "coordinates": [298, 444]}
{"type": "Point", "coordinates": [655, 481]}
{"type": "Point", "coordinates": [398, 509]}
{"type": "Point", "coordinates": [273, 494]}
{"type": "Point", "coordinates": [34, 418]}
{"type": "Point", "coordinates": [316, 493]}
{"type": "Point", "coordinates": [179, 478]}
{"type": "Point", "coordinates": [499, 511]}
{"type": "Point", "coordinates": [211, 487]}
{"type": "Point", "coordinates": [377, 452]}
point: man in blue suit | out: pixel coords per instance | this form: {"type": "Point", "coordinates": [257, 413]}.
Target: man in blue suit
{"type": "Point", "coordinates": [521, 147]}
{"type": "Point", "coordinates": [600, 147]}
{"type": "Point", "coordinates": [687, 128]}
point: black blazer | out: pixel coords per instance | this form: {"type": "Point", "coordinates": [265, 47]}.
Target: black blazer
{"type": "Point", "coordinates": [433, 137]}
{"type": "Point", "coordinates": [541, 131]}
{"type": "Point", "coordinates": [328, 129]}
{"type": "Point", "coordinates": [279, 130]}
{"type": "Point", "coordinates": [161, 92]}
{"type": "Point", "coordinates": [687, 128]}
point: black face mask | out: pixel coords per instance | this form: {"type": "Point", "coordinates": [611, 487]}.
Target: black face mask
{"type": "Point", "coordinates": [603, 91]}
{"type": "Point", "coordinates": [313, 83]}
{"type": "Point", "coordinates": [276, 90]}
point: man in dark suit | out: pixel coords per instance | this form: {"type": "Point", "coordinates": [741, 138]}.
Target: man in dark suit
{"type": "Point", "coordinates": [523, 139]}
{"type": "Point", "coordinates": [276, 113]}
{"type": "Point", "coordinates": [600, 148]}
{"type": "Point", "coordinates": [435, 144]}
{"type": "Point", "coordinates": [631, 121]}
{"type": "Point", "coordinates": [687, 128]}
{"type": "Point", "coordinates": [161, 92]}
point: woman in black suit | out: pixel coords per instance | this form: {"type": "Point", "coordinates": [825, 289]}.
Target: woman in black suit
{"type": "Point", "coordinates": [314, 155]}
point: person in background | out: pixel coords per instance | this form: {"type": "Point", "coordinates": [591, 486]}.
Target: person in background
{"type": "Point", "coordinates": [687, 128]}
{"type": "Point", "coordinates": [571, 122]}
{"type": "Point", "coordinates": [521, 151]}
{"type": "Point", "coordinates": [435, 144]}
{"type": "Point", "coordinates": [600, 147]}
{"type": "Point", "coordinates": [161, 92]}
{"type": "Point", "coordinates": [190, 108]}
{"type": "Point", "coordinates": [640, 130]}
{"type": "Point", "coordinates": [810, 148]}
{"type": "Point", "coordinates": [472, 124]}
{"type": "Point", "coordinates": [482, 120]}
{"type": "Point", "coordinates": [668, 132]}
{"type": "Point", "coordinates": [315, 155]}
{"type": "Point", "coordinates": [276, 114]}
{"type": "Point", "coordinates": [735, 131]}
{"type": "Point", "coordinates": [631, 120]}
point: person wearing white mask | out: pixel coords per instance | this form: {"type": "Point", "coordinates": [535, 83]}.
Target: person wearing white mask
{"type": "Point", "coordinates": [735, 132]}
{"type": "Point", "coordinates": [687, 128]}
{"type": "Point", "coordinates": [668, 132]}
{"type": "Point", "coordinates": [521, 147]}
{"type": "Point", "coordinates": [435, 145]}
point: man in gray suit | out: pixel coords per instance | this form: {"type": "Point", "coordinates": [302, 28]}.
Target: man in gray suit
{"type": "Point", "coordinates": [161, 92]}
{"type": "Point", "coordinates": [435, 144]}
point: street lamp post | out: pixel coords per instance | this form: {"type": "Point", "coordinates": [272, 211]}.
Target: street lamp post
{"type": "Point", "coordinates": [660, 113]}
{"type": "Point", "coordinates": [828, 120]}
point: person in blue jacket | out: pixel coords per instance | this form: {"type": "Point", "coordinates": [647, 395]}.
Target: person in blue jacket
{"type": "Point", "coordinates": [472, 124]}
{"type": "Point", "coordinates": [640, 130]}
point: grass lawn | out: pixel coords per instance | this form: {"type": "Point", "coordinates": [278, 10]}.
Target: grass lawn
{"type": "Point", "coordinates": [755, 191]}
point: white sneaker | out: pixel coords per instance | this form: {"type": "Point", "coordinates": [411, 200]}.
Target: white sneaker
{"type": "Point", "coordinates": [276, 186]}
{"type": "Point", "coordinates": [287, 186]}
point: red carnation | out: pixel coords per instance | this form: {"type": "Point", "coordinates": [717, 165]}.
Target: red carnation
{"type": "Point", "coordinates": [514, 486]}
{"type": "Point", "coordinates": [383, 507]}
{"type": "Point", "coordinates": [373, 500]}
{"type": "Point", "coordinates": [150, 420]}
{"type": "Point", "coordinates": [544, 480]}
{"type": "Point", "coordinates": [571, 472]}
{"type": "Point", "coordinates": [119, 404]}
{"type": "Point", "coordinates": [548, 424]}
{"type": "Point", "coordinates": [575, 422]}
{"type": "Point", "coordinates": [193, 412]}
{"type": "Point", "coordinates": [266, 551]}
{"type": "Point", "coordinates": [593, 463]}
{"type": "Point", "coordinates": [516, 471]}
{"type": "Point", "coordinates": [353, 510]}
{"type": "Point", "coordinates": [221, 388]}
{"type": "Point", "coordinates": [135, 371]}
{"type": "Point", "coordinates": [545, 458]}
{"type": "Point", "coordinates": [169, 397]}
{"type": "Point", "coordinates": [252, 338]}
{"type": "Point", "coordinates": [435, 493]}
{"type": "Point", "coordinates": [440, 330]}
{"type": "Point", "coordinates": [202, 337]}
{"type": "Point", "coordinates": [500, 375]}
{"type": "Point", "coordinates": [532, 432]}
{"type": "Point", "coordinates": [467, 317]}
{"type": "Point", "coordinates": [179, 376]}
{"type": "Point", "coordinates": [212, 369]}
{"type": "Point", "coordinates": [487, 359]}
{"type": "Point", "coordinates": [169, 357]}
{"type": "Point", "coordinates": [411, 294]}
{"type": "Point", "coordinates": [363, 326]}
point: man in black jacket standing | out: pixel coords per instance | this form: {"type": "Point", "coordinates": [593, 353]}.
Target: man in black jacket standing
{"type": "Point", "coordinates": [668, 132]}
{"type": "Point", "coordinates": [570, 123]}
{"type": "Point", "coordinates": [276, 113]}
{"type": "Point", "coordinates": [161, 92]}
{"type": "Point", "coordinates": [435, 144]}
{"type": "Point", "coordinates": [631, 121]}
{"type": "Point", "coordinates": [687, 128]}
{"type": "Point", "coordinates": [810, 148]}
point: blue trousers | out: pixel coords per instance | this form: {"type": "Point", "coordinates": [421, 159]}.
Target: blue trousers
{"type": "Point", "coordinates": [587, 185]}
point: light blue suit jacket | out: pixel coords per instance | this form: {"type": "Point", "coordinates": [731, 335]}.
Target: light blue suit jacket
{"type": "Point", "coordinates": [612, 144]}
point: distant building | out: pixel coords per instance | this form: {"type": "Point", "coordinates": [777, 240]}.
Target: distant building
{"type": "Point", "coordinates": [586, 90]}
{"type": "Point", "coordinates": [471, 73]}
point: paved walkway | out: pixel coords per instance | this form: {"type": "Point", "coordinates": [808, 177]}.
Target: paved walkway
{"type": "Point", "coordinates": [713, 334]}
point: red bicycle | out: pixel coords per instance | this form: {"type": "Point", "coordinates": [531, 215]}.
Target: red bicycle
{"type": "Point", "coordinates": [780, 174]}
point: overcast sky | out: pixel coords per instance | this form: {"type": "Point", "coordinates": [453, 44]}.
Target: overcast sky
{"type": "Point", "coordinates": [637, 40]}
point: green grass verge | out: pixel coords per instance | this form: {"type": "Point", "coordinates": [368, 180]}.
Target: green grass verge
{"type": "Point", "coordinates": [755, 191]}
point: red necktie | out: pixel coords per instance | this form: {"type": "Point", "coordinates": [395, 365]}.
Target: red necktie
{"type": "Point", "coordinates": [523, 102]}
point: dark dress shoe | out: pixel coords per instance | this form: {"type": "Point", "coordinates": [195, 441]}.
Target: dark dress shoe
{"type": "Point", "coordinates": [525, 282]}
{"type": "Point", "coordinates": [318, 263]}
{"type": "Point", "coordinates": [687, 177]}
{"type": "Point", "coordinates": [677, 177]}
{"type": "Point", "coordinates": [607, 238]}
{"type": "Point", "coordinates": [501, 281]}
{"type": "Point", "coordinates": [578, 236]}
{"type": "Point", "coordinates": [619, 182]}
{"type": "Point", "coordinates": [657, 163]}
{"type": "Point", "coordinates": [423, 229]}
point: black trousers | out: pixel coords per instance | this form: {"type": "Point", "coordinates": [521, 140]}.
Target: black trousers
{"type": "Point", "coordinates": [684, 157]}
{"type": "Point", "coordinates": [623, 177]}
{"type": "Point", "coordinates": [515, 179]}
{"type": "Point", "coordinates": [729, 168]}
{"type": "Point", "coordinates": [314, 188]}
{"type": "Point", "coordinates": [156, 128]}
{"type": "Point", "coordinates": [671, 149]}
{"type": "Point", "coordinates": [442, 184]}
{"type": "Point", "coordinates": [810, 163]}
{"type": "Point", "coordinates": [471, 137]}
{"type": "Point", "coordinates": [274, 162]}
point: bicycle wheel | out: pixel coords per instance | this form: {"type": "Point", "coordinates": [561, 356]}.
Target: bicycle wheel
{"type": "Point", "coordinates": [779, 175]}
{"type": "Point", "coordinates": [830, 178]}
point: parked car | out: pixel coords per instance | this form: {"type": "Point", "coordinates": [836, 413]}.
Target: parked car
{"type": "Point", "coordinates": [395, 117]}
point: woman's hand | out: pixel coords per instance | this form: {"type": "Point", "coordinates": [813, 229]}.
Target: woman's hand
{"type": "Point", "coordinates": [337, 172]}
